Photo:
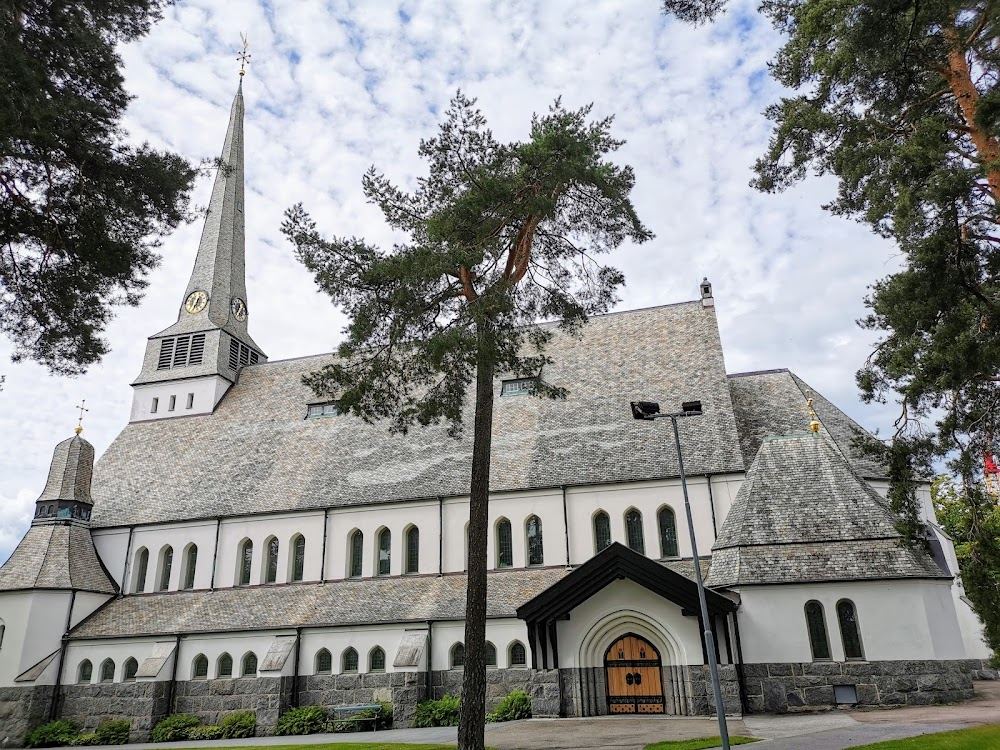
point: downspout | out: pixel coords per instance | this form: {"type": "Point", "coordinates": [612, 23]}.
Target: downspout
{"type": "Point", "coordinates": [322, 561]}
{"type": "Point", "coordinates": [711, 503]}
{"type": "Point", "coordinates": [565, 523]}
{"type": "Point", "coordinates": [173, 675]}
{"type": "Point", "coordinates": [215, 551]}
{"type": "Point", "coordinates": [739, 663]}
{"type": "Point", "coordinates": [430, 656]}
{"type": "Point", "coordinates": [128, 554]}
{"type": "Point", "coordinates": [295, 675]}
{"type": "Point", "coordinates": [440, 539]}
{"type": "Point", "coordinates": [54, 703]}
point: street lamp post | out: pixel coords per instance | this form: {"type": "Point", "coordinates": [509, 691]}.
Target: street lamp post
{"type": "Point", "coordinates": [649, 411]}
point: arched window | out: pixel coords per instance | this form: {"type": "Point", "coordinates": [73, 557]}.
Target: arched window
{"type": "Point", "coordinates": [298, 557]}
{"type": "Point", "coordinates": [224, 666]}
{"type": "Point", "coordinates": [245, 562]}
{"type": "Point", "coordinates": [491, 655]}
{"type": "Point", "coordinates": [668, 532]}
{"type": "Point", "coordinates": [249, 665]}
{"type": "Point", "coordinates": [199, 668]}
{"type": "Point", "coordinates": [816, 626]}
{"type": "Point", "coordinates": [533, 532]}
{"type": "Point", "coordinates": [108, 671]}
{"type": "Point", "coordinates": [357, 548]}
{"type": "Point", "coordinates": [384, 551]}
{"type": "Point", "coordinates": [166, 563]}
{"type": "Point", "coordinates": [324, 662]}
{"type": "Point", "coordinates": [271, 547]}
{"type": "Point", "coordinates": [376, 660]}
{"type": "Point", "coordinates": [190, 565]}
{"type": "Point", "coordinates": [85, 671]}
{"type": "Point", "coordinates": [602, 531]}
{"type": "Point", "coordinates": [849, 630]}
{"type": "Point", "coordinates": [141, 565]}
{"type": "Point", "coordinates": [505, 544]}
{"type": "Point", "coordinates": [633, 531]}
{"type": "Point", "coordinates": [349, 661]}
{"type": "Point", "coordinates": [3, 630]}
{"type": "Point", "coordinates": [413, 550]}
{"type": "Point", "coordinates": [518, 655]}
{"type": "Point", "coordinates": [458, 656]}
{"type": "Point", "coordinates": [129, 669]}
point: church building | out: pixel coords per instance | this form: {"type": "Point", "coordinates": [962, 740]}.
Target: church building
{"type": "Point", "coordinates": [242, 545]}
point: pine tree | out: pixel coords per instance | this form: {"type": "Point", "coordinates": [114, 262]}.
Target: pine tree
{"type": "Point", "coordinates": [500, 236]}
{"type": "Point", "coordinates": [80, 209]}
{"type": "Point", "coordinates": [899, 100]}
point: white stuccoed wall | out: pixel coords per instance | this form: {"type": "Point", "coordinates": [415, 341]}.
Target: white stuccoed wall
{"type": "Point", "coordinates": [207, 393]}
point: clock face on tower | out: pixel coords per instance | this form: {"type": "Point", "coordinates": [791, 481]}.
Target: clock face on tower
{"type": "Point", "coordinates": [196, 302]}
{"type": "Point", "coordinates": [239, 308]}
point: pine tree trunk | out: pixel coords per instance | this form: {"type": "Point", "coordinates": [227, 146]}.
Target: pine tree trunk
{"type": "Point", "coordinates": [472, 716]}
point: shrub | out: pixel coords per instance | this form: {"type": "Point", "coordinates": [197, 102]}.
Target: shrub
{"type": "Point", "coordinates": [174, 728]}
{"type": "Point", "coordinates": [114, 732]}
{"type": "Point", "coordinates": [304, 720]}
{"type": "Point", "coordinates": [384, 720]}
{"type": "Point", "coordinates": [439, 713]}
{"type": "Point", "coordinates": [515, 705]}
{"type": "Point", "coordinates": [239, 724]}
{"type": "Point", "coordinates": [205, 732]}
{"type": "Point", "coordinates": [83, 740]}
{"type": "Point", "coordinates": [53, 734]}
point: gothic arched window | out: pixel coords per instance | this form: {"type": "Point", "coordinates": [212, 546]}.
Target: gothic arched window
{"type": "Point", "coordinates": [141, 566]}
{"type": "Point", "coordinates": [633, 531]}
{"type": "Point", "coordinates": [847, 615]}
{"type": "Point", "coordinates": [85, 671]}
{"type": "Point", "coordinates": [376, 660]}
{"type": "Point", "coordinates": [602, 531]}
{"type": "Point", "coordinates": [384, 551]}
{"type": "Point", "coordinates": [129, 669]}
{"type": "Point", "coordinates": [533, 532]}
{"type": "Point", "coordinates": [458, 656]}
{"type": "Point", "coordinates": [245, 562]}
{"type": "Point", "coordinates": [190, 565]}
{"type": "Point", "coordinates": [668, 532]}
{"type": "Point", "coordinates": [505, 544]}
{"type": "Point", "coordinates": [224, 667]}
{"type": "Point", "coordinates": [249, 665]}
{"type": "Point", "coordinates": [491, 655]}
{"type": "Point", "coordinates": [199, 667]}
{"type": "Point", "coordinates": [413, 550]}
{"type": "Point", "coordinates": [816, 626]}
{"type": "Point", "coordinates": [349, 661]}
{"type": "Point", "coordinates": [166, 563]}
{"type": "Point", "coordinates": [518, 655]}
{"type": "Point", "coordinates": [324, 661]}
{"type": "Point", "coordinates": [271, 548]}
{"type": "Point", "coordinates": [357, 548]}
{"type": "Point", "coordinates": [108, 671]}
{"type": "Point", "coordinates": [298, 557]}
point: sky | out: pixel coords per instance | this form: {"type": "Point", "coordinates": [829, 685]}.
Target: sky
{"type": "Point", "coordinates": [337, 86]}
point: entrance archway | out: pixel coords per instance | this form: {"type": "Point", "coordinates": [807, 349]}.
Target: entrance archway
{"type": "Point", "coordinates": [633, 676]}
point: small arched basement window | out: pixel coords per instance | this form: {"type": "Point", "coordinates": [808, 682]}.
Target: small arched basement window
{"type": "Point", "coordinates": [199, 668]}
{"type": "Point", "coordinates": [667, 521]}
{"type": "Point", "coordinates": [602, 531]}
{"type": "Point", "coordinates": [384, 551]}
{"type": "Point", "coordinates": [505, 544]}
{"type": "Point", "coordinates": [413, 550]}
{"type": "Point", "coordinates": [533, 533]}
{"type": "Point", "coordinates": [272, 548]}
{"type": "Point", "coordinates": [458, 656]}
{"type": "Point", "coordinates": [816, 626]}
{"type": "Point", "coordinates": [3, 631]}
{"type": "Point", "coordinates": [129, 669]}
{"type": "Point", "coordinates": [225, 666]}
{"type": "Point", "coordinates": [108, 671]}
{"type": "Point", "coordinates": [850, 632]}
{"type": "Point", "coordinates": [491, 655]}
{"type": "Point", "coordinates": [633, 531]}
{"type": "Point", "coordinates": [249, 665]}
{"type": "Point", "coordinates": [376, 660]}
{"type": "Point", "coordinates": [298, 557]}
{"type": "Point", "coordinates": [324, 661]}
{"type": "Point", "coordinates": [518, 655]}
{"type": "Point", "coordinates": [349, 661]}
{"type": "Point", "coordinates": [357, 549]}
{"type": "Point", "coordinates": [84, 672]}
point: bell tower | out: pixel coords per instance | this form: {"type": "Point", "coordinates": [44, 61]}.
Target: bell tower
{"type": "Point", "coordinates": [189, 366]}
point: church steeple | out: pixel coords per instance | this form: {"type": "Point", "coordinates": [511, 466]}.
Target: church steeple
{"type": "Point", "coordinates": [210, 338]}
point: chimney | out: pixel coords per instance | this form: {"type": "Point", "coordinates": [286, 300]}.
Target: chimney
{"type": "Point", "coordinates": [707, 300]}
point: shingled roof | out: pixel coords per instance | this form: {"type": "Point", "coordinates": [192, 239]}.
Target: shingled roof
{"type": "Point", "coordinates": [803, 514]}
{"type": "Point", "coordinates": [773, 402]}
{"type": "Point", "coordinates": [56, 556]}
{"type": "Point", "coordinates": [257, 453]}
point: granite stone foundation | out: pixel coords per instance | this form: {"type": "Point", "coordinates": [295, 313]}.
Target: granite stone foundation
{"type": "Point", "coordinates": [785, 688]}
{"type": "Point", "coordinates": [404, 690]}
{"type": "Point", "coordinates": [21, 710]}
{"type": "Point", "coordinates": [142, 703]}
{"type": "Point", "coordinates": [210, 700]}
{"type": "Point", "coordinates": [541, 684]}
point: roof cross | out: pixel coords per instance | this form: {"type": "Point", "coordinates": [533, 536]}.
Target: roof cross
{"type": "Point", "coordinates": [244, 56]}
{"type": "Point", "coordinates": [79, 422]}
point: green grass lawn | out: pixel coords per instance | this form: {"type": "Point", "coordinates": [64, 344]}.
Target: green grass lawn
{"type": "Point", "coordinates": [344, 746]}
{"type": "Point", "coordinates": [698, 744]}
{"type": "Point", "coordinates": [976, 738]}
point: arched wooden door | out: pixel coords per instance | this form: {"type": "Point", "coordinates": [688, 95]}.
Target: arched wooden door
{"type": "Point", "coordinates": [633, 676]}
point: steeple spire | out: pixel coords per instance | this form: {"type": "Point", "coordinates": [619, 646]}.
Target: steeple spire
{"type": "Point", "coordinates": [210, 337]}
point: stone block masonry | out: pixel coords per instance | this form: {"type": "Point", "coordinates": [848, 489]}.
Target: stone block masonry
{"type": "Point", "coordinates": [790, 687]}
{"type": "Point", "coordinates": [210, 700]}
{"type": "Point", "coordinates": [142, 703]}
{"type": "Point", "coordinates": [21, 710]}
{"type": "Point", "coordinates": [404, 690]}
{"type": "Point", "coordinates": [541, 684]}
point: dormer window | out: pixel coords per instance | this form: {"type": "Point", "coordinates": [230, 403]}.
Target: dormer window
{"type": "Point", "coordinates": [181, 351]}
{"type": "Point", "coordinates": [518, 387]}
{"type": "Point", "coordinates": [315, 411]}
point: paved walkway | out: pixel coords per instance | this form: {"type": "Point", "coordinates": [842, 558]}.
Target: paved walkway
{"type": "Point", "coordinates": [834, 730]}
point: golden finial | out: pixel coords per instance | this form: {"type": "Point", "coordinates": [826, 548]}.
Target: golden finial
{"type": "Point", "coordinates": [79, 422]}
{"type": "Point", "coordinates": [244, 56]}
{"type": "Point", "coordinates": [813, 421]}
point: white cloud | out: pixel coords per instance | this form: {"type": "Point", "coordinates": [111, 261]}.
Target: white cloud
{"type": "Point", "coordinates": [335, 87]}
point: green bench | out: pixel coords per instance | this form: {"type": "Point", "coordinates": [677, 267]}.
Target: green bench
{"type": "Point", "coordinates": [343, 714]}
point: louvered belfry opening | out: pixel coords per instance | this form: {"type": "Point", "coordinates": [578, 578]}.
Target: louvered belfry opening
{"type": "Point", "coordinates": [181, 351]}
{"type": "Point", "coordinates": [240, 355]}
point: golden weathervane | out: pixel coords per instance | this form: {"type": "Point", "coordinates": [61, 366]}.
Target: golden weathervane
{"type": "Point", "coordinates": [244, 56]}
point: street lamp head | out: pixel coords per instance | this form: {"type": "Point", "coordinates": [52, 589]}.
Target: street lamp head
{"type": "Point", "coordinates": [645, 410]}
{"type": "Point", "coordinates": [691, 408]}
